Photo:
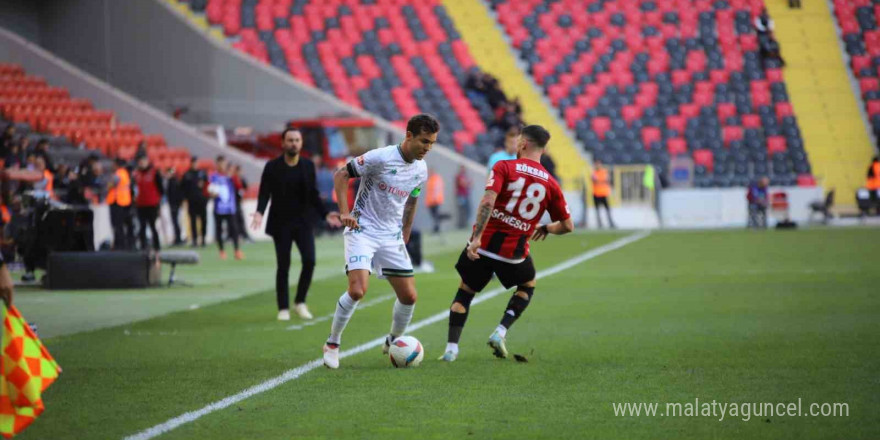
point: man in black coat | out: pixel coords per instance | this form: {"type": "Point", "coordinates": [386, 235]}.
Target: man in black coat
{"type": "Point", "coordinates": [194, 185]}
{"type": "Point", "coordinates": [175, 197]}
{"type": "Point", "coordinates": [289, 181]}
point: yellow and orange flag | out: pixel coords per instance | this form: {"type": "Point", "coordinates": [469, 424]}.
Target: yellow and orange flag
{"type": "Point", "coordinates": [26, 370]}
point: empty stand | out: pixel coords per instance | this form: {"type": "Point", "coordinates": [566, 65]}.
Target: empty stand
{"type": "Point", "coordinates": [51, 110]}
{"type": "Point", "coordinates": [640, 82]}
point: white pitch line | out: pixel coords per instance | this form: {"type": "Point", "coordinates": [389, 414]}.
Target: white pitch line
{"type": "Point", "coordinates": [364, 305]}
{"type": "Point", "coordinates": [295, 373]}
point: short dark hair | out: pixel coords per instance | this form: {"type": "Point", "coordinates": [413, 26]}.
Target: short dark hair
{"type": "Point", "coordinates": [422, 123]}
{"type": "Point", "coordinates": [536, 135]}
{"type": "Point", "coordinates": [221, 157]}
{"type": "Point", "coordinates": [284, 133]}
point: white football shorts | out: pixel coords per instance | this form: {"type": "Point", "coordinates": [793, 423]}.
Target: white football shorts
{"type": "Point", "coordinates": [385, 255]}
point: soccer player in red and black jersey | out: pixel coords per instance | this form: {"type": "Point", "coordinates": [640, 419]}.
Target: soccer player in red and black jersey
{"type": "Point", "coordinates": [518, 193]}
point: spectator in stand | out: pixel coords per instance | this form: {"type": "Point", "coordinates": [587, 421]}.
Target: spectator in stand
{"type": "Point", "coordinates": [549, 165]}
{"type": "Point", "coordinates": [508, 151]}
{"type": "Point", "coordinates": [475, 82]}
{"type": "Point", "coordinates": [75, 191]}
{"type": "Point", "coordinates": [141, 149]}
{"type": "Point", "coordinates": [494, 94]}
{"type": "Point", "coordinates": [87, 176]}
{"type": "Point", "coordinates": [26, 147]}
{"type": "Point", "coordinates": [13, 158]}
{"type": "Point", "coordinates": [42, 150]}
{"type": "Point", "coordinates": [601, 192]}
{"type": "Point", "coordinates": [7, 139]}
{"type": "Point", "coordinates": [47, 183]}
{"type": "Point", "coordinates": [516, 105]}
{"type": "Point", "coordinates": [758, 202]}
{"type": "Point", "coordinates": [241, 187]}
{"type": "Point", "coordinates": [768, 46]}
{"type": "Point", "coordinates": [30, 161]}
{"type": "Point", "coordinates": [174, 196]}
{"type": "Point", "coordinates": [119, 200]}
{"type": "Point", "coordinates": [195, 187]}
{"type": "Point", "coordinates": [97, 191]}
{"type": "Point", "coordinates": [148, 187]}
{"type": "Point", "coordinates": [462, 197]}
{"type": "Point", "coordinates": [506, 117]}
{"type": "Point", "coordinates": [434, 198]}
{"type": "Point", "coordinates": [223, 191]}
{"type": "Point", "coordinates": [62, 181]}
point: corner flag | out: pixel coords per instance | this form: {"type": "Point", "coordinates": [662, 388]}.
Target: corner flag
{"type": "Point", "coordinates": [26, 370]}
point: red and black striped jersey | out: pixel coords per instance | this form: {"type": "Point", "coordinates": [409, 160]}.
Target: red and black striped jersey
{"type": "Point", "coordinates": [525, 191]}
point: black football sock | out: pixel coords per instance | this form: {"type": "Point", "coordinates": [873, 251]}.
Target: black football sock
{"type": "Point", "coordinates": [457, 320]}
{"type": "Point", "coordinates": [516, 306]}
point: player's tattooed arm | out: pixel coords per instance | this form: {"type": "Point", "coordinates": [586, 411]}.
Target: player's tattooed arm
{"type": "Point", "coordinates": [409, 215]}
{"type": "Point", "coordinates": [484, 213]}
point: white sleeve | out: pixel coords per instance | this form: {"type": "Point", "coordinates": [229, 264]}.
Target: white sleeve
{"type": "Point", "coordinates": [365, 164]}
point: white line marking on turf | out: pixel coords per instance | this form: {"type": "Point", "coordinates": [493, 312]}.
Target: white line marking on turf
{"type": "Point", "coordinates": [365, 304]}
{"type": "Point", "coordinates": [295, 373]}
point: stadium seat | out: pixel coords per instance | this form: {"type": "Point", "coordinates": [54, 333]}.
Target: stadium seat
{"type": "Point", "coordinates": [684, 75]}
{"type": "Point", "coordinates": [385, 57]}
{"type": "Point", "coordinates": [858, 22]}
{"type": "Point", "coordinates": [30, 100]}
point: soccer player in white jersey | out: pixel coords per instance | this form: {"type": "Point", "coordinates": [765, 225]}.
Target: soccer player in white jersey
{"type": "Point", "coordinates": [377, 229]}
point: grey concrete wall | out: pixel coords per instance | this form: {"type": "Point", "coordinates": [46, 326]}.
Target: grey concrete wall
{"type": "Point", "coordinates": [21, 17]}
{"type": "Point", "coordinates": [145, 48]}
{"type": "Point", "coordinates": [150, 51]}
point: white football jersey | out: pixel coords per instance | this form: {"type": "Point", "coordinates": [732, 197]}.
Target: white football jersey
{"type": "Point", "coordinates": [387, 180]}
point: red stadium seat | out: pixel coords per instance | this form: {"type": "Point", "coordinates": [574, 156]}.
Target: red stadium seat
{"type": "Point", "coordinates": [704, 158]}
{"type": "Point", "coordinates": [806, 180]}
{"type": "Point", "coordinates": [776, 144]}
{"type": "Point", "coordinates": [784, 109]}
{"type": "Point", "coordinates": [601, 125]}
{"type": "Point", "coordinates": [649, 135]}
{"type": "Point", "coordinates": [676, 146]}
{"type": "Point", "coordinates": [730, 134]}
{"type": "Point", "coordinates": [751, 121]}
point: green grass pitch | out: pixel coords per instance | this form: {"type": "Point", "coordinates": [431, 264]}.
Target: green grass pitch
{"type": "Point", "coordinates": [734, 316]}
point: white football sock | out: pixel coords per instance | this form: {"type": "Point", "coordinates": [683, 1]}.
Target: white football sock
{"type": "Point", "coordinates": [345, 307]}
{"type": "Point", "coordinates": [400, 318]}
{"type": "Point", "coordinates": [502, 330]}
{"type": "Point", "coordinates": [452, 346]}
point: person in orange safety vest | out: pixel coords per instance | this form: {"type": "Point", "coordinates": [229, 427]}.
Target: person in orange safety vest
{"type": "Point", "coordinates": [601, 192]}
{"type": "Point", "coordinates": [434, 198]}
{"type": "Point", "coordinates": [119, 199]}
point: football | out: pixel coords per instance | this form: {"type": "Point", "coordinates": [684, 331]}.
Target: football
{"type": "Point", "coordinates": [406, 351]}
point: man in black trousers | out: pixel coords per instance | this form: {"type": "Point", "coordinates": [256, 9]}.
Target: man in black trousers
{"type": "Point", "coordinates": [289, 181]}
{"type": "Point", "coordinates": [195, 186]}
{"type": "Point", "coordinates": [174, 195]}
